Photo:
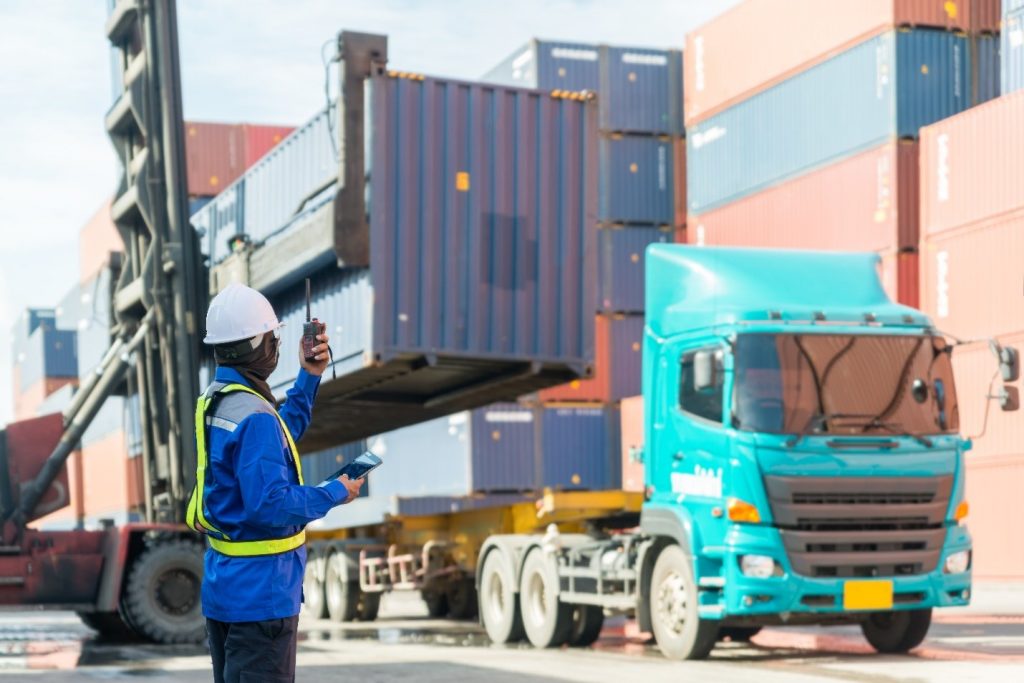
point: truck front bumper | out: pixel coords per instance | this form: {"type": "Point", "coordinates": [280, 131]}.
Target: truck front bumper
{"type": "Point", "coordinates": [789, 593]}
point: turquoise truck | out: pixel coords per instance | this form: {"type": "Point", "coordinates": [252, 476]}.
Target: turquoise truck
{"type": "Point", "coordinates": [802, 465]}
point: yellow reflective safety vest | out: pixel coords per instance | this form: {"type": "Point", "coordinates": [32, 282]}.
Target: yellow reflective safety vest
{"type": "Point", "coordinates": [196, 517]}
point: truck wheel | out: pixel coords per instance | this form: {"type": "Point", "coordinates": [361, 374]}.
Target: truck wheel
{"type": "Point", "coordinates": [678, 628]}
{"type": "Point", "coordinates": [461, 596]}
{"type": "Point", "coordinates": [897, 631]}
{"type": "Point", "coordinates": [437, 603]}
{"type": "Point", "coordinates": [587, 621]}
{"type": "Point", "coordinates": [161, 599]}
{"type": "Point", "coordinates": [368, 606]}
{"type": "Point", "coordinates": [546, 620]}
{"type": "Point", "coordinates": [499, 604]}
{"type": "Point", "coordinates": [738, 634]}
{"type": "Point", "coordinates": [313, 587]}
{"type": "Point", "coordinates": [341, 592]}
{"type": "Point", "coordinates": [109, 625]}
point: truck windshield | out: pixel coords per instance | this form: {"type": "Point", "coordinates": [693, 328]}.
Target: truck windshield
{"type": "Point", "coordinates": [843, 384]}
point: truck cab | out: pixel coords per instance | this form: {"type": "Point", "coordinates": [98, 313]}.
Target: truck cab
{"type": "Point", "coordinates": [802, 452]}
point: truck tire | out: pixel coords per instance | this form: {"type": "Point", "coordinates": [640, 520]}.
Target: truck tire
{"type": "Point", "coordinates": [109, 625]}
{"type": "Point", "coordinates": [499, 603]}
{"type": "Point", "coordinates": [437, 603]}
{"type": "Point", "coordinates": [315, 602]}
{"type": "Point", "coordinates": [161, 599]}
{"type": "Point", "coordinates": [368, 606]}
{"type": "Point", "coordinates": [897, 631]}
{"type": "Point", "coordinates": [738, 634]}
{"type": "Point", "coordinates": [461, 597]}
{"type": "Point", "coordinates": [342, 594]}
{"type": "Point", "coordinates": [587, 621]}
{"type": "Point", "coordinates": [546, 620]}
{"type": "Point", "coordinates": [678, 628]}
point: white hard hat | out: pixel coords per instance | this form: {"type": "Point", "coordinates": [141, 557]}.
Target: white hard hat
{"type": "Point", "coordinates": [238, 313]}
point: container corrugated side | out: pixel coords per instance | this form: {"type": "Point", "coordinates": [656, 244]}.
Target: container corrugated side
{"type": "Point", "coordinates": [24, 326]}
{"type": "Point", "coordinates": [214, 156]}
{"type": "Point", "coordinates": [1012, 52]}
{"type": "Point", "coordinates": [49, 354]}
{"type": "Point", "coordinates": [759, 43]}
{"type": "Point", "coordinates": [972, 165]}
{"type": "Point", "coordinates": [641, 90]}
{"type": "Point", "coordinates": [28, 402]}
{"type": "Point", "coordinates": [620, 266]}
{"type": "Point", "coordinates": [96, 240]}
{"type": "Point", "coordinates": [881, 89]}
{"type": "Point", "coordinates": [503, 448]}
{"type": "Point", "coordinates": [617, 363]}
{"type": "Point", "coordinates": [993, 486]}
{"type": "Point", "coordinates": [632, 439]}
{"type": "Point", "coordinates": [866, 202]}
{"type": "Point", "coordinates": [581, 447]}
{"type": "Point", "coordinates": [261, 139]}
{"type": "Point", "coordinates": [637, 183]}
{"type": "Point", "coordinates": [549, 65]}
{"type": "Point", "coordinates": [985, 68]}
{"type": "Point", "coordinates": [106, 490]}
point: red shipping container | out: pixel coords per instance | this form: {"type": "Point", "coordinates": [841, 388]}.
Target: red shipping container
{"type": "Point", "coordinates": [974, 366]}
{"type": "Point", "coordinates": [971, 278]}
{"type": "Point", "coordinates": [759, 43]}
{"type": "Point", "coordinates": [900, 277]}
{"type": "Point", "coordinates": [261, 139]}
{"type": "Point", "coordinates": [632, 433]}
{"type": "Point", "coordinates": [867, 202]}
{"type": "Point", "coordinates": [214, 156]}
{"type": "Point", "coordinates": [679, 167]}
{"type": "Point", "coordinates": [993, 489]}
{"type": "Point", "coordinates": [96, 240]}
{"type": "Point", "coordinates": [972, 165]}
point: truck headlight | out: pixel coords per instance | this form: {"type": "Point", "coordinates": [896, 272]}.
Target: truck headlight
{"type": "Point", "coordinates": [957, 563]}
{"type": "Point", "coordinates": [757, 566]}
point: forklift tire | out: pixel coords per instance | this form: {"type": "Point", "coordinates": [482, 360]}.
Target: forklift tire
{"type": "Point", "coordinates": [675, 620]}
{"type": "Point", "coordinates": [738, 634]}
{"type": "Point", "coordinates": [897, 631]}
{"type": "Point", "coordinates": [546, 620]}
{"type": "Point", "coordinates": [437, 603]}
{"type": "Point", "coordinates": [499, 603]}
{"type": "Point", "coordinates": [461, 597]}
{"type": "Point", "coordinates": [368, 606]}
{"type": "Point", "coordinates": [109, 625]}
{"type": "Point", "coordinates": [341, 592]}
{"type": "Point", "coordinates": [314, 600]}
{"type": "Point", "coordinates": [161, 600]}
{"type": "Point", "coordinates": [587, 621]}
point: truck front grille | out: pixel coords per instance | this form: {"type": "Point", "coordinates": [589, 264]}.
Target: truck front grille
{"type": "Point", "coordinates": [861, 526]}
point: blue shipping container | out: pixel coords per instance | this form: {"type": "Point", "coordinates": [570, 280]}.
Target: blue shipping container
{"type": "Point", "coordinates": [884, 88]}
{"type": "Point", "coordinates": [620, 266]}
{"type": "Point", "coordinates": [49, 353]}
{"type": "Point", "coordinates": [581, 447]}
{"type": "Point", "coordinates": [502, 447]}
{"type": "Point", "coordinates": [641, 89]}
{"type": "Point", "coordinates": [637, 180]}
{"type": "Point", "coordinates": [985, 71]}
{"type": "Point", "coordinates": [625, 341]}
{"type": "Point", "coordinates": [1012, 57]}
{"type": "Point", "coordinates": [28, 321]}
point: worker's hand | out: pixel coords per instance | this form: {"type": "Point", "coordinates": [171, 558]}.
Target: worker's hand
{"type": "Point", "coordinates": [318, 366]}
{"type": "Point", "coordinates": [352, 485]}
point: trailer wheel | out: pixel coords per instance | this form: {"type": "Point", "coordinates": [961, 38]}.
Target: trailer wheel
{"type": "Point", "coordinates": [315, 601]}
{"type": "Point", "coordinates": [162, 600]}
{"type": "Point", "coordinates": [499, 604]}
{"type": "Point", "coordinates": [461, 596]}
{"type": "Point", "coordinates": [678, 628]}
{"type": "Point", "coordinates": [897, 631]}
{"type": "Point", "coordinates": [109, 625]}
{"type": "Point", "coordinates": [587, 622]}
{"type": "Point", "coordinates": [368, 606]}
{"type": "Point", "coordinates": [342, 593]}
{"type": "Point", "coordinates": [738, 634]}
{"type": "Point", "coordinates": [437, 603]}
{"type": "Point", "coordinates": [546, 620]}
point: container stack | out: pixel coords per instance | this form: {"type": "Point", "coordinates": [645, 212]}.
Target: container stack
{"type": "Point", "coordinates": [44, 359]}
{"type": "Point", "coordinates": [1012, 54]}
{"type": "Point", "coordinates": [972, 267]}
{"type": "Point", "coordinates": [802, 125]}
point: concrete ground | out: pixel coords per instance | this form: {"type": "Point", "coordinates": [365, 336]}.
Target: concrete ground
{"type": "Point", "coordinates": [984, 642]}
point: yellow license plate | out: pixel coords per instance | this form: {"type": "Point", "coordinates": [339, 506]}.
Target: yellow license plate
{"type": "Point", "coordinates": [867, 595]}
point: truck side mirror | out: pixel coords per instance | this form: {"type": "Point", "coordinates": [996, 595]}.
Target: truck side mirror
{"type": "Point", "coordinates": [704, 370]}
{"type": "Point", "coordinates": [1009, 399]}
{"type": "Point", "coordinates": [1009, 364]}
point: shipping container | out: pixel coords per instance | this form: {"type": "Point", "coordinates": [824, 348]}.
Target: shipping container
{"type": "Point", "coordinates": [617, 363]}
{"type": "Point", "coordinates": [214, 156]}
{"type": "Point", "coordinates": [641, 88]}
{"type": "Point", "coordinates": [679, 175]}
{"type": "Point", "coordinates": [105, 480]}
{"type": "Point", "coordinates": [880, 90]}
{"type": "Point", "coordinates": [986, 15]}
{"type": "Point", "coordinates": [48, 354]}
{"type": "Point", "coordinates": [993, 489]}
{"type": "Point", "coordinates": [972, 165]}
{"type": "Point", "coordinates": [580, 447]}
{"type": "Point", "coordinates": [866, 202]}
{"type": "Point", "coordinates": [971, 278]}
{"type": "Point", "coordinates": [97, 239]}
{"type": "Point", "coordinates": [1012, 51]}
{"type": "Point", "coordinates": [261, 139]}
{"type": "Point", "coordinates": [27, 323]}
{"type": "Point", "coordinates": [758, 43]}
{"type": "Point", "coordinates": [196, 203]}
{"type": "Point", "coordinates": [93, 319]}
{"type": "Point", "coordinates": [901, 276]}
{"type": "Point", "coordinates": [985, 68]}
{"type": "Point", "coordinates": [632, 435]}
{"type": "Point", "coordinates": [637, 183]}
{"type": "Point", "coordinates": [29, 400]}
{"type": "Point", "coordinates": [620, 266]}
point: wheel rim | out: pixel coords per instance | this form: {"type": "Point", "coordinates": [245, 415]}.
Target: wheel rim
{"type": "Point", "coordinates": [538, 598]}
{"type": "Point", "coordinates": [671, 603]}
{"type": "Point", "coordinates": [176, 592]}
{"type": "Point", "coordinates": [496, 596]}
{"type": "Point", "coordinates": [333, 584]}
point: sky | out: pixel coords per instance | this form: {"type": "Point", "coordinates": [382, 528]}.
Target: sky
{"type": "Point", "coordinates": [241, 60]}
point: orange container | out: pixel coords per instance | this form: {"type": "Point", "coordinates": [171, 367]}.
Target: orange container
{"type": "Point", "coordinates": [900, 277]}
{"type": "Point", "coordinates": [26, 403]}
{"type": "Point", "coordinates": [632, 433]}
{"type": "Point", "coordinates": [759, 43]}
{"type": "Point", "coordinates": [105, 481]}
{"type": "Point", "coordinates": [993, 489]}
{"type": "Point", "coordinates": [214, 156]}
{"type": "Point", "coordinates": [96, 240]}
{"type": "Point", "coordinates": [618, 341]}
{"type": "Point", "coordinates": [679, 176]}
{"type": "Point", "coordinates": [972, 165]}
{"type": "Point", "coordinates": [261, 139]}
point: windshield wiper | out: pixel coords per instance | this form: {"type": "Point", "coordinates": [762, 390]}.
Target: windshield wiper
{"type": "Point", "coordinates": [899, 430]}
{"type": "Point", "coordinates": [817, 420]}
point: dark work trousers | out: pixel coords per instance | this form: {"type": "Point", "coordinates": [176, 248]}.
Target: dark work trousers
{"type": "Point", "coordinates": [253, 651]}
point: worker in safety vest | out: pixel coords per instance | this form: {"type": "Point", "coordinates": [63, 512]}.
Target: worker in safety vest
{"type": "Point", "coordinates": [250, 500]}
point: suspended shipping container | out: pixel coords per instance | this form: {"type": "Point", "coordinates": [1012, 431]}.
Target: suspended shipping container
{"type": "Point", "coordinates": [617, 363]}
{"type": "Point", "coordinates": [880, 90]}
{"type": "Point", "coordinates": [620, 269]}
{"type": "Point", "coordinates": [760, 43]}
{"type": "Point", "coordinates": [637, 180]}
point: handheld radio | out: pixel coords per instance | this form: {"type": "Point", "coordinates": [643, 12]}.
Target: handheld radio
{"type": "Point", "coordinates": [310, 330]}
